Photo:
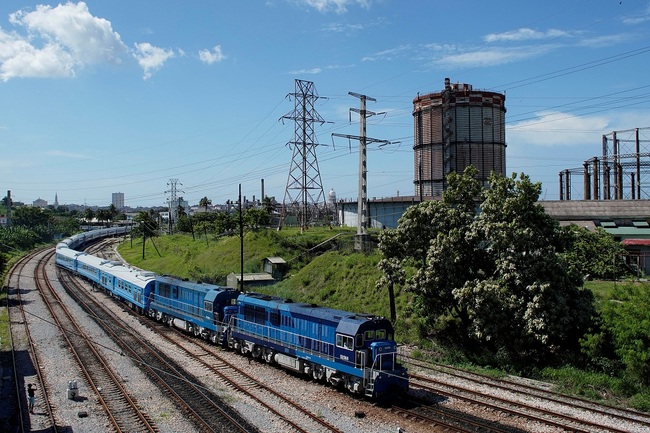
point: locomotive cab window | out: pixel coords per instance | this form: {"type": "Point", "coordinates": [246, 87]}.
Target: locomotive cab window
{"type": "Point", "coordinates": [369, 335]}
{"type": "Point", "coordinates": [381, 334]}
{"type": "Point", "coordinates": [344, 342]}
{"type": "Point", "coordinates": [207, 305]}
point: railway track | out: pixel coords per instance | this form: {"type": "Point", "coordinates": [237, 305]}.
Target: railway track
{"type": "Point", "coordinates": [526, 402]}
{"type": "Point", "coordinates": [228, 373]}
{"type": "Point", "coordinates": [206, 409]}
{"type": "Point", "coordinates": [17, 317]}
{"type": "Point", "coordinates": [211, 360]}
{"type": "Point", "coordinates": [122, 409]}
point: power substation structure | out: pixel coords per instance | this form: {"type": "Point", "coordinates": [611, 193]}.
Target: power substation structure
{"type": "Point", "coordinates": [621, 173]}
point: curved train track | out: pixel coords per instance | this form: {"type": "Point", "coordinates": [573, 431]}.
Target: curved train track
{"type": "Point", "coordinates": [21, 418]}
{"type": "Point", "coordinates": [122, 409]}
{"type": "Point", "coordinates": [170, 377]}
{"type": "Point", "coordinates": [206, 409]}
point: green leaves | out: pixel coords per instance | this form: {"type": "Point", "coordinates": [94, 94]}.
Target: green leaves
{"type": "Point", "coordinates": [489, 258]}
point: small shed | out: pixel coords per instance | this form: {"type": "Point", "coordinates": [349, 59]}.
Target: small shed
{"type": "Point", "coordinates": [638, 254]}
{"type": "Point", "coordinates": [275, 266]}
{"type": "Point", "coordinates": [250, 280]}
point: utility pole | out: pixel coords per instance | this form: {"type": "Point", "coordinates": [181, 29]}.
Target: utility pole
{"type": "Point", "coordinates": [304, 175]}
{"type": "Point", "coordinates": [361, 239]}
{"type": "Point", "coordinates": [8, 208]}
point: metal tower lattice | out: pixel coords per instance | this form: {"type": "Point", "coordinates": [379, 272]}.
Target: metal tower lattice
{"type": "Point", "coordinates": [304, 194]}
{"type": "Point", "coordinates": [172, 201]}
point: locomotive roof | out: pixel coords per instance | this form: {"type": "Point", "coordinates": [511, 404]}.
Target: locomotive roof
{"type": "Point", "coordinates": [197, 286]}
{"type": "Point", "coordinates": [349, 323]}
{"type": "Point", "coordinates": [358, 323]}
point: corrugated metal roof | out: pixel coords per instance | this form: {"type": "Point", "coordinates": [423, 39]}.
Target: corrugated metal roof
{"type": "Point", "coordinates": [276, 260]}
{"type": "Point", "coordinates": [636, 242]}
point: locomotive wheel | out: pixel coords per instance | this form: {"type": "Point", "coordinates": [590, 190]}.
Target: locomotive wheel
{"type": "Point", "coordinates": [317, 373]}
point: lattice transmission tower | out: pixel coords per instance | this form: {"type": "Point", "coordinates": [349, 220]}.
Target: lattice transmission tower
{"type": "Point", "coordinates": [172, 202]}
{"type": "Point", "coordinates": [304, 196]}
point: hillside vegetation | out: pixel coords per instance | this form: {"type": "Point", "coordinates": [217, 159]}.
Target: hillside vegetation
{"type": "Point", "coordinates": [323, 269]}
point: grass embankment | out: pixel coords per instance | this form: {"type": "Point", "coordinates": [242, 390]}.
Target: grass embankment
{"type": "Point", "coordinates": [332, 274]}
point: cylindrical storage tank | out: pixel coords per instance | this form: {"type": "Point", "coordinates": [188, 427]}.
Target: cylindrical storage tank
{"type": "Point", "coordinates": [455, 128]}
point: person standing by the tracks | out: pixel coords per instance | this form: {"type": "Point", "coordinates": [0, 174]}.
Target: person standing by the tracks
{"type": "Point", "coordinates": [31, 396]}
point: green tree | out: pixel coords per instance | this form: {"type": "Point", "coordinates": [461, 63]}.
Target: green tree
{"type": "Point", "coordinates": [594, 253]}
{"type": "Point", "coordinates": [89, 215]}
{"type": "Point", "coordinates": [112, 212]}
{"type": "Point", "coordinates": [623, 337]}
{"type": "Point", "coordinates": [31, 217]}
{"type": "Point", "coordinates": [254, 218]}
{"type": "Point", "coordinates": [205, 202]}
{"type": "Point", "coordinates": [493, 278]}
{"type": "Point", "coordinates": [147, 225]}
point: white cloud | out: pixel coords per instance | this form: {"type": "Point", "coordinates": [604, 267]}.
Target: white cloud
{"type": "Point", "coordinates": [339, 6]}
{"type": "Point", "coordinates": [604, 41]}
{"type": "Point", "coordinates": [554, 128]}
{"type": "Point", "coordinates": [525, 34]}
{"type": "Point", "coordinates": [388, 54]}
{"type": "Point", "coordinates": [68, 155]}
{"type": "Point", "coordinates": [306, 71]}
{"type": "Point", "coordinates": [491, 57]}
{"type": "Point", "coordinates": [210, 57]}
{"type": "Point", "coordinates": [70, 38]}
{"type": "Point", "coordinates": [638, 19]}
{"type": "Point", "coordinates": [151, 58]}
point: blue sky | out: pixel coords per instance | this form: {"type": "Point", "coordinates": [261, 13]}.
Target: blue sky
{"type": "Point", "coordinates": [122, 95]}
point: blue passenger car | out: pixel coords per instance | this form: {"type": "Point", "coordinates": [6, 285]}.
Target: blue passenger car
{"type": "Point", "coordinates": [88, 266]}
{"type": "Point", "coordinates": [130, 285]}
{"type": "Point", "coordinates": [199, 307]}
{"type": "Point", "coordinates": [356, 351]}
{"type": "Point", "coordinates": [66, 258]}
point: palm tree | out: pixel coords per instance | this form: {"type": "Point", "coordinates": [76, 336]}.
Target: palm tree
{"type": "Point", "coordinates": [89, 214]}
{"type": "Point", "coordinates": [205, 202]}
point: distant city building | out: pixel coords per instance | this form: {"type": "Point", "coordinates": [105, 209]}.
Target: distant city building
{"type": "Point", "coordinates": [118, 200]}
{"type": "Point", "coordinates": [39, 202]}
{"type": "Point", "coordinates": [56, 201]}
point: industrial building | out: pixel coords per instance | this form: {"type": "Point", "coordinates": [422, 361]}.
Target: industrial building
{"type": "Point", "coordinates": [455, 128]}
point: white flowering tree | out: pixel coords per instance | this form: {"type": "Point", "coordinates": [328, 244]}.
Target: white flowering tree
{"type": "Point", "coordinates": [487, 265]}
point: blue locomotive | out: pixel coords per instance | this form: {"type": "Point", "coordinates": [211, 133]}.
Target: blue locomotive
{"type": "Point", "coordinates": [350, 350]}
{"type": "Point", "coordinates": [355, 351]}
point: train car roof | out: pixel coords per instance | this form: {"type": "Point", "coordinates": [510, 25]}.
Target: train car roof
{"type": "Point", "coordinates": [89, 259]}
{"type": "Point", "coordinates": [67, 251]}
{"type": "Point", "coordinates": [128, 274]}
